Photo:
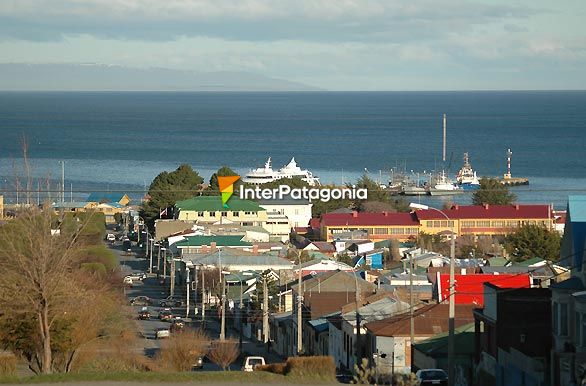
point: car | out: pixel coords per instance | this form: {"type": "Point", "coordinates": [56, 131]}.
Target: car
{"type": "Point", "coordinates": [177, 325]}
{"type": "Point", "coordinates": [128, 281]}
{"type": "Point", "coordinates": [166, 315]}
{"type": "Point", "coordinates": [144, 314]}
{"type": "Point", "coordinates": [136, 276]}
{"type": "Point", "coordinates": [432, 377]}
{"type": "Point", "coordinates": [251, 362]}
{"type": "Point", "coordinates": [111, 237]}
{"type": "Point", "coordinates": [171, 301]}
{"type": "Point", "coordinates": [163, 332]}
{"type": "Point", "coordinates": [198, 363]}
{"type": "Point", "coordinates": [140, 301]}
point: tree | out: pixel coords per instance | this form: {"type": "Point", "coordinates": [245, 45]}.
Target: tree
{"type": "Point", "coordinates": [168, 188]}
{"type": "Point", "coordinates": [530, 241]}
{"type": "Point", "coordinates": [48, 305]}
{"type": "Point", "coordinates": [346, 259]}
{"type": "Point", "coordinates": [181, 351]}
{"type": "Point", "coordinates": [213, 188]}
{"type": "Point", "coordinates": [224, 353]}
{"type": "Point", "coordinates": [492, 192]}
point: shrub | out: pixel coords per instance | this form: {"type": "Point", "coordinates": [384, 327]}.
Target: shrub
{"type": "Point", "coordinates": [99, 254]}
{"type": "Point", "coordinates": [181, 351]}
{"type": "Point", "coordinates": [363, 373]}
{"type": "Point", "coordinates": [7, 364]}
{"type": "Point", "coordinates": [224, 353]}
{"type": "Point", "coordinates": [275, 368]}
{"type": "Point", "coordinates": [322, 366]}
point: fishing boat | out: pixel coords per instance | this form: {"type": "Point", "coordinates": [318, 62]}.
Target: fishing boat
{"type": "Point", "coordinates": [443, 186]}
{"type": "Point", "coordinates": [266, 174]}
{"type": "Point", "coordinates": [466, 177]}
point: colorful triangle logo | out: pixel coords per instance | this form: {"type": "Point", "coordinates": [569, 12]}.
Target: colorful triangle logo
{"type": "Point", "coordinates": [226, 184]}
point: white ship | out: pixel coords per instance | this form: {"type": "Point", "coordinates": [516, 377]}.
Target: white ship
{"type": "Point", "coordinates": [466, 176]}
{"type": "Point", "coordinates": [267, 174]}
{"type": "Point", "coordinates": [443, 186]}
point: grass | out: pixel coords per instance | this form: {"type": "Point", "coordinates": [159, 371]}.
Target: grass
{"type": "Point", "coordinates": [204, 377]}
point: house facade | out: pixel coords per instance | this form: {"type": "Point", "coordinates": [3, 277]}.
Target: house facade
{"type": "Point", "coordinates": [298, 212]}
{"type": "Point", "coordinates": [209, 209]}
{"type": "Point", "coordinates": [377, 226]}
{"type": "Point", "coordinates": [568, 356]}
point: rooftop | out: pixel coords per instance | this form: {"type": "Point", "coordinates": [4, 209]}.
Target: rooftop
{"type": "Point", "coordinates": [487, 211]}
{"type": "Point", "coordinates": [235, 258]}
{"type": "Point", "coordinates": [363, 218]}
{"type": "Point", "coordinates": [577, 208]}
{"type": "Point", "coordinates": [106, 197]}
{"type": "Point", "coordinates": [214, 203]}
{"type": "Point", "coordinates": [221, 241]}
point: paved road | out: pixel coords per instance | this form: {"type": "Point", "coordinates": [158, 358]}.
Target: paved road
{"type": "Point", "coordinates": [152, 288]}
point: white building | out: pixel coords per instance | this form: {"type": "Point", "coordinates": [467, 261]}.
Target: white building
{"type": "Point", "coordinates": [297, 211]}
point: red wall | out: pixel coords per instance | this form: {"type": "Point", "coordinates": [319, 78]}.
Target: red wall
{"type": "Point", "coordinates": [469, 288]}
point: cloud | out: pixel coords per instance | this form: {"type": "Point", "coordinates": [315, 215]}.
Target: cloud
{"type": "Point", "coordinates": [250, 20]}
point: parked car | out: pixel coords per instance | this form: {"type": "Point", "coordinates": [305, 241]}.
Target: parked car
{"type": "Point", "coordinates": [251, 362]}
{"type": "Point", "coordinates": [136, 276]}
{"type": "Point", "coordinates": [128, 281]}
{"type": "Point", "coordinates": [172, 301]}
{"type": "Point", "coordinates": [198, 364]}
{"type": "Point", "coordinates": [162, 332]}
{"type": "Point", "coordinates": [144, 314]}
{"type": "Point", "coordinates": [111, 237]}
{"type": "Point", "coordinates": [140, 301]}
{"type": "Point", "coordinates": [177, 325]}
{"type": "Point", "coordinates": [432, 377]}
{"type": "Point", "coordinates": [166, 315]}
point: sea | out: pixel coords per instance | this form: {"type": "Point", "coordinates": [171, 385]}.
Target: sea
{"type": "Point", "coordinates": [119, 141]}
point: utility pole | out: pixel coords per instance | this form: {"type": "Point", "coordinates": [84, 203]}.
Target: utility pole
{"type": "Point", "coordinates": [165, 263]}
{"type": "Point", "coordinates": [187, 290]}
{"type": "Point", "coordinates": [444, 143]}
{"type": "Point", "coordinates": [265, 311]}
{"type": "Point", "coordinates": [172, 289]}
{"type": "Point", "coordinates": [299, 315]}
{"type": "Point", "coordinates": [62, 181]}
{"type": "Point", "coordinates": [358, 346]}
{"type": "Point", "coordinates": [412, 320]}
{"type": "Point", "coordinates": [452, 309]}
{"type": "Point", "coordinates": [203, 296]}
{"type": "Point", "coordinates": [240, 317]}
{"type": "Point", "coordinates": [223, 323]}
{"type": "Point", "coordinates": [159, 260]}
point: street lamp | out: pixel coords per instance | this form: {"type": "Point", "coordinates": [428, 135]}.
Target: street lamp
{"type": "Point", "coordinates": [452, 309]}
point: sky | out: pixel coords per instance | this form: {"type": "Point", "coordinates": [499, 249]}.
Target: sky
{"type": "Point", "coordinates": [331, 44]}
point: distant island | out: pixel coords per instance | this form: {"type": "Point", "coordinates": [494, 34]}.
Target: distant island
{"type": "Point", "coordinates": [103, 77]}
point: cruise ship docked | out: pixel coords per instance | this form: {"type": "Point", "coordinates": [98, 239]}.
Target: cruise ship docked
{"type": "Point", "coordinates": [267, 174]}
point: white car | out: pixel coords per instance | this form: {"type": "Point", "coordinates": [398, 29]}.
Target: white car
{"type": "Point", "coordinates": [111, 237]}
{"type": "Point", "coordinates": [162, 333]}
{"type": "Point", "coordinates": [137, 276]}
{"type": "Point", "coordinates": [251, 362]}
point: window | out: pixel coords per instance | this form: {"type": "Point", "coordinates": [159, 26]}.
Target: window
{"type": "Point", "coordinates": [248, 213]}
{"type": "Point", "coordinates": [381, 231]}
{"type": "Point", "coordinates": [236, 214]}
{"type": "Point", "coordinates": [467, 224]}
{"type": "Point", "coordinates": [224, 214]}
{"type": "Point", "coordinates": [212, 214]}
{"type": "Point", "coordinates": [563, 319]}
{"type": "Point", "coordinates": [296, 211]}
{"type": "Point", "coordinates": [429, 224]}
{"type": "Point", "coordinates": [199, 214]}
{"type": "Point", "coordinates": [483, 223]}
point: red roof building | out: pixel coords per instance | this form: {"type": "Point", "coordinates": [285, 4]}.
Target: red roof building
{"type": "Point", "coordinates": [380, 226]}
{"type": "Point", "coordinates": [469, 289]}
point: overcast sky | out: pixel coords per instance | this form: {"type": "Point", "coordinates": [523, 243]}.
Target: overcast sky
{"type": "Point", "coordinates": [332, 44]}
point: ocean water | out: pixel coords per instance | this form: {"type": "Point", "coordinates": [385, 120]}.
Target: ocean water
{"type": "Point", "coordinates": [121, 141]}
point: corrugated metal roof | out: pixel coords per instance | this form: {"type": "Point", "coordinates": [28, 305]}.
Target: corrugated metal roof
{"type": "Point", "coordinates": [109, 197]}
{"type": "Point", "coordinates": [220, 240]}
{"type": "Point", "coordinates": [488, 211]}
{"type": "Point", "coordinates": [214, 204]}
{"type": "Point", "coordinates": [363, 218]}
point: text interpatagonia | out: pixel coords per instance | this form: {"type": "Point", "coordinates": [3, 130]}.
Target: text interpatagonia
{"type": "Point", "coordinates": [285, 191]}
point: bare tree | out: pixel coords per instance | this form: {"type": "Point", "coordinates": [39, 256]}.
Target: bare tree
{"type": "Point", "coordinates": [224, 353]}
{"type": "Point", "coordinates": [181, 351]}
{"type": "Point", "coordinates": [37, 279]}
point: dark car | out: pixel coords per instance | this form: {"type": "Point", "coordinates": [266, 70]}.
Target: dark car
{"type": "Point", "coordinates": [165, 315]}
{"type": "Point", "coordinates": [432, 377]}
{"type": "Point", "coordinates": [140, 301]}
{"type": "Point", "coordinates": [144, 315]}
{"type": "Point", "coordinates": [198, 364]}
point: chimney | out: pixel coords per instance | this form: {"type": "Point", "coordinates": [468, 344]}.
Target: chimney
{"type": "Point", "coordinates": [354, 214]}
{"type": "Point", "coordinates": [385, 213]}
{"type": "Point", "coordinates": [255, 249]}
{"type": "Point", "coordinates": [517, 206]}
{"type": "Point", "coordinates": [485, 206]}
{"type": "Point", "coordinates": [213, 246]}
{"type": "Point", "coordinates": [456, 206]}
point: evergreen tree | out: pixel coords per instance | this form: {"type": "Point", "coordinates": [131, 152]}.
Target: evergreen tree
{"type": "Point", "coordinates": [531, 241]}
{"type": "Point", "coordinates": [168, 188]}
{"type": "Point", "coordinates": [492, 192]}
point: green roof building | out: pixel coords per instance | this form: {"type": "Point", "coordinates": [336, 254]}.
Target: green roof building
{"type": "Point", "coordinates": [204, 244]}
{"type": "Point", "coordinates": [209, 209]}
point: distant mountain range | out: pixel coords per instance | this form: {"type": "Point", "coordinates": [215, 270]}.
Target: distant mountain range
{"type": "Point", "coordinates": [101, 77]}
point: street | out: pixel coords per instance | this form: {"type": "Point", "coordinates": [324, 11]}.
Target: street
{"type": "Point", "coordinates": [152, 288]}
